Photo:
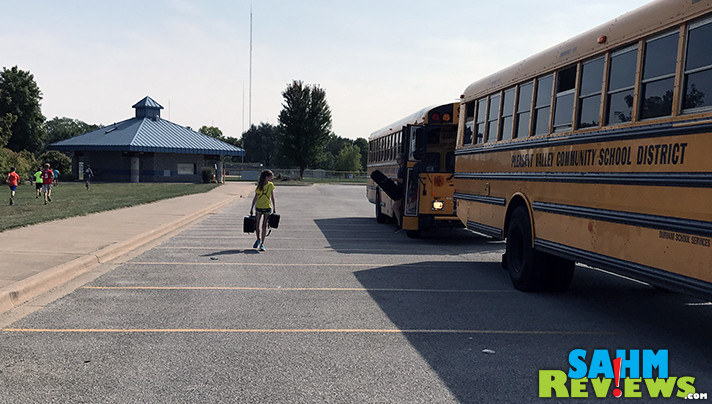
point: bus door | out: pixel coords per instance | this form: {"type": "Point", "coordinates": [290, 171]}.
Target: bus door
{"type": "Point", "coordinates": [412, 180]}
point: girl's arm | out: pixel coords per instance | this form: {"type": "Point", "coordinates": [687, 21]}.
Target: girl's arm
{"type": "Point", "coordinates": [252, 206]}
{"type": "Point", "coordinates": [274, 205]}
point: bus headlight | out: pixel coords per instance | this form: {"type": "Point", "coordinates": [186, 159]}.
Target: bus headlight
{"type": "Point", "coordinates": [438, 205]}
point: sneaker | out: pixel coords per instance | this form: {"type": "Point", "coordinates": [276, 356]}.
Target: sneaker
{"type": "Point", "coordinates": [49, 199]}
{"type": "Point", "coordinates": [257, 243]}
{"type": "Point", "coordinates": [262, 247]}
{"type": "Point", "coordinates": [12, 201]}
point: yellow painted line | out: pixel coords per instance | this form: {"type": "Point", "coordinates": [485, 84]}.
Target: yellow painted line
{"type": "Point", "coordinates": [295, 331]}
{"type": "Point", "coordinates": [247, 264]}
{"type": "Point", "coordinates": [286, 238]}
{"type": "Point", "coordinates": [296, 289]}
{"type": "Point", "coordinates": [241, 250]}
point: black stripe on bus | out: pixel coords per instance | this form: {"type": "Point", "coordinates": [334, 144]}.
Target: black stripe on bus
{"type": "Point", "coordinates": [610, 135]}
{"type": "Point", "coordinates": [484, 229]}
{"type": "Point", "coordinates": [640, 272]}
{"type": "Point", "coordinates": [672, 224]}
{"type": "Point", "coordinates": [491, 200]}
{"type": "Point", "coordinates": [697, 180]}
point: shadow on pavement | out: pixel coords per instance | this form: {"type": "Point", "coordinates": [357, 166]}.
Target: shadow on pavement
{"type": "Point", "coordinates": [363, 235]}
{"type": "Point", "coordinates": [231, 252]}
{"type": "Point", "coordinates": [531, 331]}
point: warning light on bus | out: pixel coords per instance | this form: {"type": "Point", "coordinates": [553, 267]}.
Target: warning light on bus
{"type": "Point", "coordinates": [435, 117]}
{"type": "Point", "coordinates": [446, 117]}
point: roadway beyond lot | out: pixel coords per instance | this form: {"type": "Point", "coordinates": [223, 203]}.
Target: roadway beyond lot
{"type": "Point", "coordinates": [338, 309]}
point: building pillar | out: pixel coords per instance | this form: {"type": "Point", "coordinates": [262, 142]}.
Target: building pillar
{"type": "Point", "coordinates": [135, 169]}
{"type": "Point", "coordinates": [221, 171]}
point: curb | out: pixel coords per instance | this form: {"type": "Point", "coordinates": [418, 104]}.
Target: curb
{"type": "Point", "coordinates": [26, 289]}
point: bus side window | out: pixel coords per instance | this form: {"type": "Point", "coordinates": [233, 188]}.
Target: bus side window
{"type": "Point", "coordinates": [542, 108]}
{"type": "Point", "coordinates": [658, 84]}
{"type": "Point", "coordinates": [621, 83]}
{"type": "Point", "coordinates": [524, 106]}
{"type": "Point", "coordinates": [698, 67]}
{"type": "Point", "coordinates": [469, 122]}
{"type": "Point", "coordinates": [507, 114]}
{"type": "Point", "coordinates": [481, 119]}
{"type": "Point", "coordinates": [493, 118]}
{"type": "Point", "coordinates": [590, 94]}
{"type": "Point", "coordinates": [564, 107]}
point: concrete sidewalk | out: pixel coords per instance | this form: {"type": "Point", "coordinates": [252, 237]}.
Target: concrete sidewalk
{"type": "Point", "coordinates": [38, 258]}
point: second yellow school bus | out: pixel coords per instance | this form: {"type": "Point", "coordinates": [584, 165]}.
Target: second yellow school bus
{"type": "Point", "coordinates": [598, 151]}
{"type": "Point", "coordinates": [426, 140]}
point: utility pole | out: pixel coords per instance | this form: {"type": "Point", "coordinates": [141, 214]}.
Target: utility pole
{"type": "Point", "coordinates": [250, 101]}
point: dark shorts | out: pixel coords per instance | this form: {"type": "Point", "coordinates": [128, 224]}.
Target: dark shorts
{"type": "Point", "coordinates": [266, 211]}
{"type": "Point", "coordinates": [38, 185]}
{"type": "Point", "coordinates": [13, 187]}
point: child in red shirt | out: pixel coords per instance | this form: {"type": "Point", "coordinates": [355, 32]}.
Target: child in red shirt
{"type": "Point", "coordinates": [12, 180]}
{"type": "Point", "coordinates": [47, 178]}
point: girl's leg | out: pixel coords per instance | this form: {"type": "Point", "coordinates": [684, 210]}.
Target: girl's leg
{"type": "Point", "coordinates": [258, 217]}
{"type": "Point", "coordinates": [264, 227]}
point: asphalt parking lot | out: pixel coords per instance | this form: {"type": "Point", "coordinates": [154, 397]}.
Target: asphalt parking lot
{"type": "Point", "coordinates": [338, 309]}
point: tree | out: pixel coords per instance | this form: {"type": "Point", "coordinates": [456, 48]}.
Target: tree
{"type": "Point", "coordinates": [64, 128]}
{"type": "Point", "coordinates": [211, 131]}
{"type": "Point", "coordinates": [305, 124]}
{"type": "Point", "coordinates": [58, 160]}
{"type": "Point", "coordinates": [349, 159]}
{"type": "Point", "coordinates": [20, 97]}
{"type": "Point", "coordinates": [362, 145]}
{"type": "Point", "coordinates": [260, 144]}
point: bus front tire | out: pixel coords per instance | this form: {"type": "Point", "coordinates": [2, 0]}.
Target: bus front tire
{"type": "Point", "coordinates": [531, 270]}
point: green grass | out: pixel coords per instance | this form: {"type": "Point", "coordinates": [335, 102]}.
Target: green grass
{"type": "Point", "coordinates": [307, 181]}
{"type": "Point", "coordinates": [73, 199]}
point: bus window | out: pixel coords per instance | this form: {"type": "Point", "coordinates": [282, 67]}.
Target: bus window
{"type": "Point", "coordinates": [542, 107]}
{"type": "Point", "coordinates": [481, 119]}
{"type": "Point", "coordinates": [469, 122]}
{"type": "Point", "coordinates": [621, 83]}
{"type": "Point", "coordinates": [432, 162]}
{"type": "Point", "coordinates": [564, 107]}
{"type": "Point", "coordinates": [698, 67]}
{"type": "Point", "coordinates": [658, 76]}
{"type": "Point", "coordinates": [590, 93]}
{"type": "Point", "coordinates": [450, 162]}
{"type": "Point", "coordinates": [493, 118]}
{"type": "Point", "coordinates": [507, 114]}
{"type": "Point", "coordinates": [524, 106]}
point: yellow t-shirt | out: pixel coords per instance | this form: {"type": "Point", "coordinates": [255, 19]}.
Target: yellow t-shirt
{"type": "Point", "coordinates": [264, 197]}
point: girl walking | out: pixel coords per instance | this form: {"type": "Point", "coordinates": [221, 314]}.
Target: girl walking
{"type": "Point", "coordinates": [264, 204]}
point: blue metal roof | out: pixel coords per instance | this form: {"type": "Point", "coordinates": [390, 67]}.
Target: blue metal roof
{"type": "Point", "coordinates": [147, 102]}
{"type": "Point", "coordinates": [147, 135]}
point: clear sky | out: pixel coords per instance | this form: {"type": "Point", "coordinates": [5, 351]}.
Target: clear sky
{"type": "Point", "coordinates": [378, 61]}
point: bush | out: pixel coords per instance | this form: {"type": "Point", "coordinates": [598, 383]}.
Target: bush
{"type": "Point", "coordinates": [24, 163]}
{"type": "Point", "coordinates": [58, 161]}
{"type": "Point", "coordinates": [207, 174]}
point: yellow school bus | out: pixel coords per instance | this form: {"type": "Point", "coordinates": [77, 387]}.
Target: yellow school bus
{"type": "Point", "coordinates": [426, 140]}
{"type": "Point", "coordinates": [598, 151]}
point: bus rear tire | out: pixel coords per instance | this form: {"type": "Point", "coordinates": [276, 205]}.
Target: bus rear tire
{"type": "Point", "coordinates": [380, 217]}
{"type": "Point", "coordinates": [413, 233]}
{"type": "Point", "coordinates": [531, 270]}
